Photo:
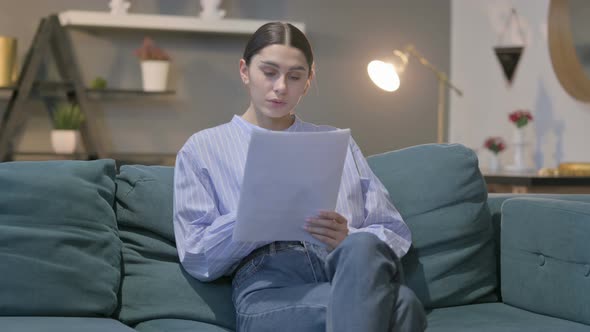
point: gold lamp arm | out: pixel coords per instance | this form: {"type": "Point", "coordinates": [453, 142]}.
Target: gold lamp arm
{"type": "Point", "coordinates": [443, 81]}
{"type": "Point", "coordinates": [410, 49]}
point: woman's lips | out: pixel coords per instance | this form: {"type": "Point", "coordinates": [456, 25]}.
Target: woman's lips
{"type": "Point", "coordinates": [276, 102]}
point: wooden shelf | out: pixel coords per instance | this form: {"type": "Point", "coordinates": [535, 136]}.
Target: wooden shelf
{"type": "Point", "coordinates": [49, 89]}
{"type": "Point", "coordinates": [5, 93]}
{"type": "Point", "coordinates": [122, 158]}
{"type": "Point", "coordinates": [162, 22]}
{"type": "Point", "coordinates": [56, 89]}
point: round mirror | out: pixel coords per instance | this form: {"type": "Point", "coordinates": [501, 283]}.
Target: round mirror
{"type": "Point", "coordinates": [569, 45]}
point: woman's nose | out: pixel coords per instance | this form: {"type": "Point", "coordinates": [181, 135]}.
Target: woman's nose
{"type": "Point", "coordinates": [280, 85]}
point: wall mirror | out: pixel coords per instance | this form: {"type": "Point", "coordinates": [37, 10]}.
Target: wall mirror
{"type": "Point", "coordinates": [569, 45]}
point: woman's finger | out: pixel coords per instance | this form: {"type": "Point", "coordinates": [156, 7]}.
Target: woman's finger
{"type": "Point", "coordinates": [320, 230]}
{"type": "Point", "coordinates": [327, 223]}
{"type": "Point", "coordinates": [332, 215]}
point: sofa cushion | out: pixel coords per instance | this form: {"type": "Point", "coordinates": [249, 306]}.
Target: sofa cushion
{"type": "Point", "coordinates": [545, 255]}
{"type": "Point", "coordinates": [441, 194]}
{"type": "Point", "coordinates": [178, 325]}
{"type": "Point", "coordinates": [155, 285]}
{"type": "Point", "coordinates": [61, 324]}
{"type": "Point", "coordinates": [60, 252]}
{"type": "Point", "coordinates": [496, 317]}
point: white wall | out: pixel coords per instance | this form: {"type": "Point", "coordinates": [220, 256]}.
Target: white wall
{"type": "Point", "coordinates": [560, 131]}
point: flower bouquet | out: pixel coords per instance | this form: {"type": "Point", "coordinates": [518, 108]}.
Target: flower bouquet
{"type": "Point", "coordinates": [520, 118]}
{"type": "Point", "coordinates": [495, 144]}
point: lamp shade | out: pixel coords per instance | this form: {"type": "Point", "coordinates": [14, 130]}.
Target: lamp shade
{"type": "Point", "coordinates": [384, 75]}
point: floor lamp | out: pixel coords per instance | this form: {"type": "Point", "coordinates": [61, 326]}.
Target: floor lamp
{"type": "Point", "coordinates": [386, 75]}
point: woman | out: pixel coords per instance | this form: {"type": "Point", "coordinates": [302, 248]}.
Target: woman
{"type": "Point", "coordinates": [351, 284]}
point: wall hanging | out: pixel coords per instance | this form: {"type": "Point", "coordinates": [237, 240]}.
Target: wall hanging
{"type": "Point", "coordinates": [509, 55]}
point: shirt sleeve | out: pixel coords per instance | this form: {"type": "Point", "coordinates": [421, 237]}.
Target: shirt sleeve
{"type": "Point", "coordinates": [203, 235]}
{"type": "Point", "coordinates": [381, 216]}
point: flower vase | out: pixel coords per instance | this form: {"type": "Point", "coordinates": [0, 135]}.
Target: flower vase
{"type": "Point", "coordinates": [494, 165]}
{"type": "Point", "coordinates": [519, 145]}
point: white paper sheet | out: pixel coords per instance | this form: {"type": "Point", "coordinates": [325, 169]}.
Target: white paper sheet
{"type": "Point", "coordinates": [289, 176]}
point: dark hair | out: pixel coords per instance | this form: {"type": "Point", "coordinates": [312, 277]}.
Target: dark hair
{"type": "Point", "coordinates": [278, 33]}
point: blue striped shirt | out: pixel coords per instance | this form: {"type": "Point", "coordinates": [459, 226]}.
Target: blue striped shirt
{"type": "Point", "coordinates": [207, 179]}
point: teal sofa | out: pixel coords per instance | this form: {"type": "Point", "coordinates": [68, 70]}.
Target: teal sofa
{"type": "Point", "coordinates": [85, 246]}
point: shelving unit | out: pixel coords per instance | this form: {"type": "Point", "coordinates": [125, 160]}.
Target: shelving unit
{"type": "Point", "coordinates": [162, 22]}
{"type": "Point", "coordinates": [51, 38]}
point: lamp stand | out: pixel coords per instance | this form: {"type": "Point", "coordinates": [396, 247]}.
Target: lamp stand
{"type": "Point", "coordinates": [440, 114]}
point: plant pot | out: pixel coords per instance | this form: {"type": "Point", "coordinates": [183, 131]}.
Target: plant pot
{"type": "Point", "coordinates": [154, 74]}
{"type": "Point", "coordinates": [64, 141]}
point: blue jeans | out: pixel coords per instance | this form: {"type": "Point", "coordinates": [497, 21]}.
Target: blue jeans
{"type": "Point", "coordinates": [298, 286]}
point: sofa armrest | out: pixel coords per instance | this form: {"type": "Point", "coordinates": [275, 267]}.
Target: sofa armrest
{"type": "Point", "coordinates": [495, 201]}
{"type": "Point", "coordinates": [545, 256]}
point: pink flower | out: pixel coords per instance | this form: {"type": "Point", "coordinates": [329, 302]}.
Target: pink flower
{"type": "Point", "coordinates": [149, 51]}
{"type": "Point", "coordinates": [520, 118]}
{"type": "Point", "coordinates": [495, 144]}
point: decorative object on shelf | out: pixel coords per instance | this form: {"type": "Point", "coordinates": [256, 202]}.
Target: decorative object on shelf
{"type": "Point", "coordinates": [567, 169]}
{"type": "Point", "coordinates": [509, 55]}
{"type": "Point", "coordinates": [119, 7]}
{"type": "Point", "coordinates": [574, 169]}
{"type": "Point", "coordinates": [386, 75]}
{"type": "Point", "coordinates": [98, 83]}
{"type": "Point", "coordinates": [520, 118]}
{"type": "Point", "coordinates": [495, 145]}
{"type": "Point", "coordinates": [155, 64]}
{"type": "Point", "coordinates": [7, 61]}
{"type": "Point", "coordinates": [210, 9]}
{"type": "Point", "coordinates": [67, 119]}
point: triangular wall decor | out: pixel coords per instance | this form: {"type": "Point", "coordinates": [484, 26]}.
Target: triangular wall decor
{"type": "Point", "coordinates": [509, 58]}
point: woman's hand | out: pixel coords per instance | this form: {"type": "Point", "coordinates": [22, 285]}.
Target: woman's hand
{"type": "Point", "coordinates": [329, 227]}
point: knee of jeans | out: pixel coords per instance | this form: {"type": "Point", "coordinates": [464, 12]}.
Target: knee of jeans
{"type": "Point", "coordinates": [363, 245]}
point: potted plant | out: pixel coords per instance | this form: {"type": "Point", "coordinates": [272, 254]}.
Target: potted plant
{"type": "Point", "coordinates": [155, 64]}
{"type": "Point", "coordinates": [495, 145]}
{"type": "Point", "coordinates": [520, 118]}
{"type": "Point", "coordinates": [67, 119]}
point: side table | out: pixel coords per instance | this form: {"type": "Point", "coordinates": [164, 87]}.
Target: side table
{"type": "Point", "coordinates": [519, 183]}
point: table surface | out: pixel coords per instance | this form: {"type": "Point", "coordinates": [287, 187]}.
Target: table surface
{"type": "Point", "coordinates": [534, 179]}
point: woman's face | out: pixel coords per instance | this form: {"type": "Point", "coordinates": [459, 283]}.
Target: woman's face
{"type": "Point", "coordinates": [277, 78]}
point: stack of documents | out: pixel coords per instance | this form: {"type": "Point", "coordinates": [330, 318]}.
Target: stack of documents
{"type": "Point", "coordinates": [289, 176]}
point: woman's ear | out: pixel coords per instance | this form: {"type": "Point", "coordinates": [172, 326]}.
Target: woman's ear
{"type": "Point", "coordinates": [244, 72]}
{"type": "Point", "coordinates": [309, 79]}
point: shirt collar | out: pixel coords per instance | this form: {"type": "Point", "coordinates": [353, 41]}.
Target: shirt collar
{"type": "Point", "coordinates": [248, 127]}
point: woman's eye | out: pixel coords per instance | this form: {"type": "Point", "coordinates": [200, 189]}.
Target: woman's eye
{"type": "Point", "coordinates": [268, 73]}
{"type": "Point", "coordinates": [295, 78]}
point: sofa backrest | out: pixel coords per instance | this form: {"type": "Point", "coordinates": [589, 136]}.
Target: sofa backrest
{"type": "Point", "coordinates": [60, 253]}
{"type": "Point", "coordinates": [442, 196]}
{"type": "Point", "coordinates": [154, 284]}
{"type": "Point", "coordinates": [545, 256]}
